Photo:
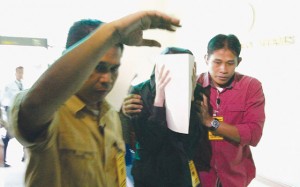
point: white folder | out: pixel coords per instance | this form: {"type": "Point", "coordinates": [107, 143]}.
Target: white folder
{"type": "Point", "coordinates": [179, 91]}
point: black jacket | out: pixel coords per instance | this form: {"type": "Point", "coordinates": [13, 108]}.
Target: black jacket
{"type": "Point", "coordinates": [162, 155]}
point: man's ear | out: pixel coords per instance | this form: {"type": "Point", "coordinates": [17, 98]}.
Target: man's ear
{"type": "Point", "coordinates": [206, 58]}
{"type": "Point", "coordinates": [239, 60]}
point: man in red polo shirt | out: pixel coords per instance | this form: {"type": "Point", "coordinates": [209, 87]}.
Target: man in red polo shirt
{"type": "Point", "coordinates": [234, 112]}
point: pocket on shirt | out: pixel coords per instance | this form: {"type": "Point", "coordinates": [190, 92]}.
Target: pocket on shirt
{"type": "Point", "coordinates": [78, 159]}
{"type": "Point", "coordinates": [234, 113]}
{"type": "Point", "coordinates": [77, 148]}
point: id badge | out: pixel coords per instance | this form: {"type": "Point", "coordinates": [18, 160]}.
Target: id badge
{"type": "Point", "coordinates": [194, 174]}
{"type": "Point", "coordinates": [211, 135]}
{"type": "Point", "coordinates": [121, 168]}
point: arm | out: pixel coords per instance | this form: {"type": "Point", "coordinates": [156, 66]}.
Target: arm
{"type": "Point", "coordinates": [65, 77]}
{"type": "Point", "coordinates": [252, 127]}
{"type": "Point", "coordinates": [148, 120]}
{"type": "Point", "coordinates": [249, 131]}
{"type": "Point", "coordinates": [133, 104]}
{"type": "Point", "coordinates": [148, 127]}
{"type": "Point", "coordinates": [225, 129]}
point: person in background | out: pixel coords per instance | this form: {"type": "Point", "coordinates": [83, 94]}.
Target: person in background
{"type": "Point", "coordinates": [12, 88]}
{"type": "Point", "coordinates": [234, 110]}
{"type": "Point", "coordinates": [1, 152]}
{"type": "Point", "coordinates": [163, 157]}
{"type": "Point", "coordinates": [3, 126]}
{"type": "Point", "coordinates": [72, 134]}
{"type": "Point", "coordinates": [10, 91]}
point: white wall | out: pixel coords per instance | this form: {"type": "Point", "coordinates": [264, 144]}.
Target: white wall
{"type": "Point", "coordinates": [268, 29]}
{"type": "Point", "coordinates": [269, 33]}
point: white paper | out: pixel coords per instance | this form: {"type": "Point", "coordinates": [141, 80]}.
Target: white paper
{"type": "Point", "coordinates": [178, 92]}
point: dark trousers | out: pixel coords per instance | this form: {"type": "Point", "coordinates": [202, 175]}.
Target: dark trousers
{"type": "Point", "coordinates": [5, 140]}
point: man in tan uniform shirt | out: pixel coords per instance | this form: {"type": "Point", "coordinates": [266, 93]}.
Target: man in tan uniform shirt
{"type": "Point", "coordinates": [72, 135]}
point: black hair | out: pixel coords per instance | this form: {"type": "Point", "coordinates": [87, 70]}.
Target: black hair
{"type": "Point", "coordinates": [82, 28]}
{"type": "Point", "coordinates": [173, 50]}
{"type": "Point", "coordinates": [224, 41]}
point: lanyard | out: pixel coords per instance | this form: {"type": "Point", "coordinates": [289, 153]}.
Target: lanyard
{"type": "Point", "coordinates": [218, 102]}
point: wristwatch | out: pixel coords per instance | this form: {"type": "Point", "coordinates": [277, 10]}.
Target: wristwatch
{"type": "Point", "coordinates": [214, 124]}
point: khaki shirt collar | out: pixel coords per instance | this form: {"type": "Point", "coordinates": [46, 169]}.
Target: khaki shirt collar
{"type": "Point", "coordinates": [76, 105]}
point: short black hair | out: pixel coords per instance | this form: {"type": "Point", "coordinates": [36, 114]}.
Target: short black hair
{"type": "Point", "coordinates": [220, 41]}
{"type": "Point", "coordinates": [82, 28]}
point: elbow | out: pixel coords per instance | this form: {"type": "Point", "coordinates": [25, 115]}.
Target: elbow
{"type": "Point", "coordinates": [250, 134]}
{"type": "Point", "coordinates": [256, 137]}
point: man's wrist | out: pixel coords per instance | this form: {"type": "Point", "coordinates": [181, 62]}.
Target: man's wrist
{"type": "Point", "coordinates": [214, 124]}
{"type": "Point", "coordinates": [208, 122]}
{"type": "Point", "coordinates": [117, 37]}
{"type": "Point", "coordinates": [112, 35]}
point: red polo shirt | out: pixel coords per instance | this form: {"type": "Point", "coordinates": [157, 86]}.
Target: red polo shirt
{"type": "Point", "coordinates": [242, 105]}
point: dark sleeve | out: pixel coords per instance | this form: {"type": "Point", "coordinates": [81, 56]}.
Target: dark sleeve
{"type": "Point", "coordinates": [158, 115]}
{"type": "Point", "coordinates": [202, 150]}
{"type": "Point", "coordinates": [151, 131]}
{"type": "Point", "coordinates": [127, 129]}
{"type": "Point", "coordinates": [150, 125]}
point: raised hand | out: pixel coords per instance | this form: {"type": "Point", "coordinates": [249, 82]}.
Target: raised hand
{"type": "Point", "coordinates": [161, 80]}
{"type": "Point", "coordinates": [206, 117]}
{"type": "Point", "coordinates": [130, 28]}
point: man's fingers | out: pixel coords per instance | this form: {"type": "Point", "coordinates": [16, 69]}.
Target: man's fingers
{"type": "Point", "coordinates": [150, 43]}
{"type": "Point", "coordinates": [132, 96]}
{"type": "Point", "coordinates": [130, 29]}
{"type": "Point", "coordinates": [131, 109]}
{"type": "Point", "coordinates": [164, 21]}
{"type": "Point", "coordinates": [155, 19]}
{"type": "Point", "coordinates": [130, 112]}
{"type": "Point", "coordinates": [133, 101]}
{"type": "Point", "coordinates": [133, 106]}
